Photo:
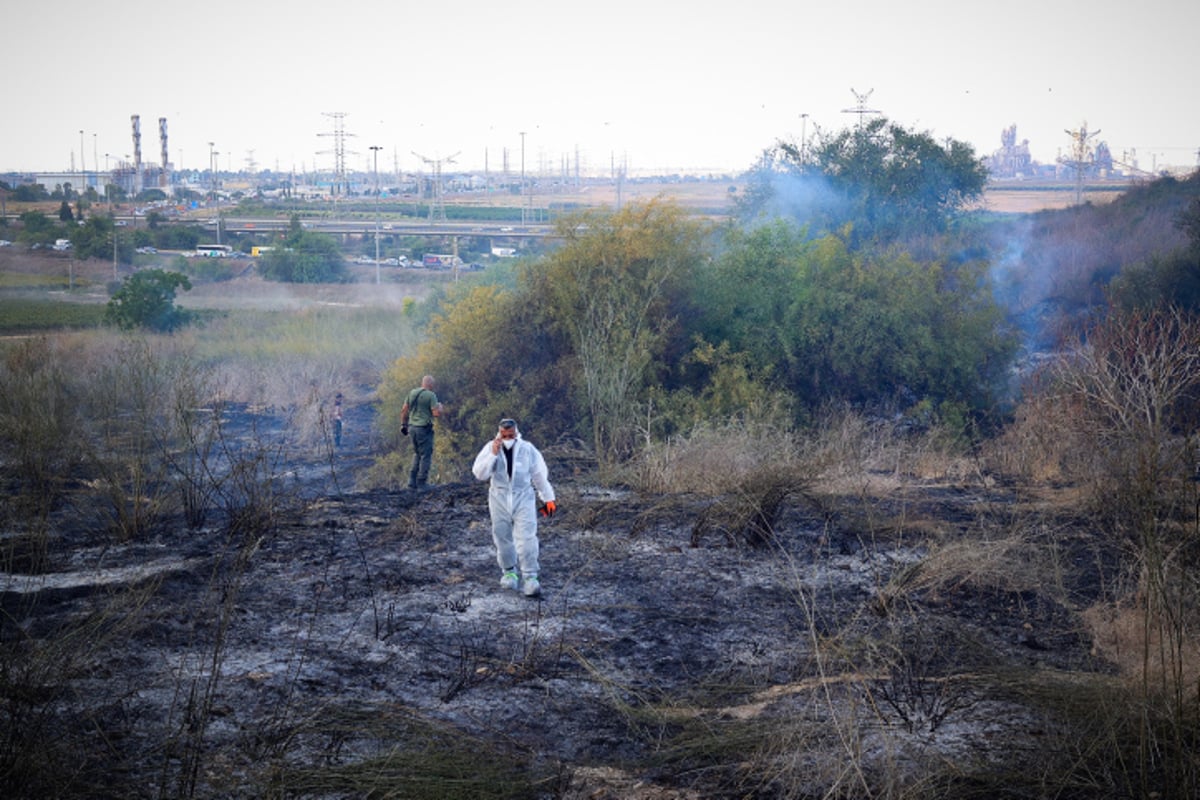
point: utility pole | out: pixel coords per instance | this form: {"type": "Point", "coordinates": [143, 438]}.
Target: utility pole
{"type": "Point", "coordinates": [212, 171]}
{"type": "Point", "coordinates": [375, 152]}
{"type": "Point", "coordinates": [522, 177]}
{"type": "Point", "coordinates": [803, 139]}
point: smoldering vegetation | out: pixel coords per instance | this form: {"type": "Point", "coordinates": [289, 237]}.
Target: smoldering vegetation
{"type": "Point", "coordinates": [747, 595]}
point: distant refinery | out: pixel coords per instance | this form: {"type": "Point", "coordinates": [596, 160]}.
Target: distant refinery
{"type": "Point", "coordinates": [1084, 160]}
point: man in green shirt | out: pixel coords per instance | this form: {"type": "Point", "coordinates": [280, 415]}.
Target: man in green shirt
{"type": "Point", "coordinates": [416, 417]}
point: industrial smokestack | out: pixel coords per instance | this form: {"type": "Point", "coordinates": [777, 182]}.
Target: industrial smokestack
{"type": "Point", "coordinates": [162, 138]}
{"type": "Point", "coordinates": [137, 153]}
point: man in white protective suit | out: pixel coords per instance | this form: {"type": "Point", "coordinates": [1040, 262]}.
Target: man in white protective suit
{"type": "Point", "coordinates": [515, 468]}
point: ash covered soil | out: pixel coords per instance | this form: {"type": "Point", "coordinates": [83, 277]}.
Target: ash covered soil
{"type": "Point", "coordinates": [360, 625]}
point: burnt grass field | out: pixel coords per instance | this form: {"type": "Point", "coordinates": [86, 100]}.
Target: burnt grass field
{"type": "Point", "coordinates": [884, 634]}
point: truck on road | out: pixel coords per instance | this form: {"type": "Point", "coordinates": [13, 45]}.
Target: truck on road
{"type": "Point", "coordinates": [440, 261]}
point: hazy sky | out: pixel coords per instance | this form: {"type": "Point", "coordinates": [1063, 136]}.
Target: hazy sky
{"type": "Point", "coordinates": [661, 84]}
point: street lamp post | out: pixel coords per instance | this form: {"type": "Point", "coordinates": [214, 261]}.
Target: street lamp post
{"type": "Point", "coordinates": [804, 139]}
{"type": "Point", "coordinates": [522, 177]}
{"type": "Point", "coordinates": [375, 153]}
{"type": "Point", "coordinates": [212, 184]}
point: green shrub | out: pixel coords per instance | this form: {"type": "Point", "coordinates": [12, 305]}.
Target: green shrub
{"type": "Point", "coordinates": [306, 257]}
{"type": "Point", "coordinates": [147, 300]}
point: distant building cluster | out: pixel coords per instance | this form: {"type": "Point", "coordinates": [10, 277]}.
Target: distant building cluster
{"type": "Point", "coordinates": [1014, 162]}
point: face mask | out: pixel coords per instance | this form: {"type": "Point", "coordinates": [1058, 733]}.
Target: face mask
{"type": "Point", "coordinates": [508, 443]}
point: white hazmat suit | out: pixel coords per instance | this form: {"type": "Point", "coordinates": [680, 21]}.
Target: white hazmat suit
{"type": "Point", "coordinates": [513, 503]}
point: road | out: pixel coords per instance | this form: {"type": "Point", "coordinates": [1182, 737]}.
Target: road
{"type": "Point", "coordinates": [404, 228]}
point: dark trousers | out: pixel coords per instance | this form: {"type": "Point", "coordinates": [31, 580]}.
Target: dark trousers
{"type": "Point", "coordinates": [422, 439]}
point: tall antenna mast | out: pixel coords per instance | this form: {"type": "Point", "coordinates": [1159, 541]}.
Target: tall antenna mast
{"type": "Point", "coordinates": [437, 208]}
{"type": "Point", "coordinates": [861, 107]}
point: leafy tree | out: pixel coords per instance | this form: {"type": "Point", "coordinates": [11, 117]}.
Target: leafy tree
{"type": "Point", "coordinates": [36, 222]}
{"type": "Point", "coordinates": [885, 180]}
{"type": "Point", "coordinates": [617, 289]}
{"type": "Point", "coordinates": [834, 325]}
{"type": "Point", "coordinates": [146, 299]}
{"type": "Point", "coordinates": [746, 297]}
{"type": "Point", "coordinates": [578, 343]}
{"type": "Point", "coordinates": [890, 328]}
{"type": "Point", "coordinates": [177, 237]}
{"type": "Point", "coordinates": [30, 193]}
{"type": "Point", "coordinates": [93, 239]}
{"type": "Point", "coordinates": [38, 228]}
{"type": "Point", "coordinates": [306, 257]}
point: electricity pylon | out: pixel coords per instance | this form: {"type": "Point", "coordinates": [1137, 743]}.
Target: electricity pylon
{"type": "Point", "coordinates": [437, 208]}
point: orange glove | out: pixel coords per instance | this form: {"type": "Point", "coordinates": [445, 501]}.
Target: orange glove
{"type": "Point", "coordinates": [547, 509]}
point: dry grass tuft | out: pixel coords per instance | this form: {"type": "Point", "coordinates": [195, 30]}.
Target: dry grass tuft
{"type": "Point", "coordinates": [713, 459]}
{"type": "Point", "coordinates": [1146, 648]}
{"type": "Point", "coordinates": [842, 448]}
{"type": "Point", "coordinates": [1009, 563]}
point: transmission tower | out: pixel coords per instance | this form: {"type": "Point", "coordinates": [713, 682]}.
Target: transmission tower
{"type": "Point", "coordinates": [340, 182]}
{"type": "Point", "coordinates": [1081, 156]}
{"type": "Point", "coordinates": [437, 208]}
{"type": "Point", "coordinates": [861, 106]}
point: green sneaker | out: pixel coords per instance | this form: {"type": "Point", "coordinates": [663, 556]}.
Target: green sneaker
{"type": "Point", "coordinates": [509, 581]}
{"type": "Point", "coordinates": [532, 587]}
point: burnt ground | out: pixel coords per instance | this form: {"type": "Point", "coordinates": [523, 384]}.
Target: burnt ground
{"type": "Point", "coordinates": [356, 643]}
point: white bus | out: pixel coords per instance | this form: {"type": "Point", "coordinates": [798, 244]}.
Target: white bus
{"type": "Point", "coordinates": [213, 250]}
